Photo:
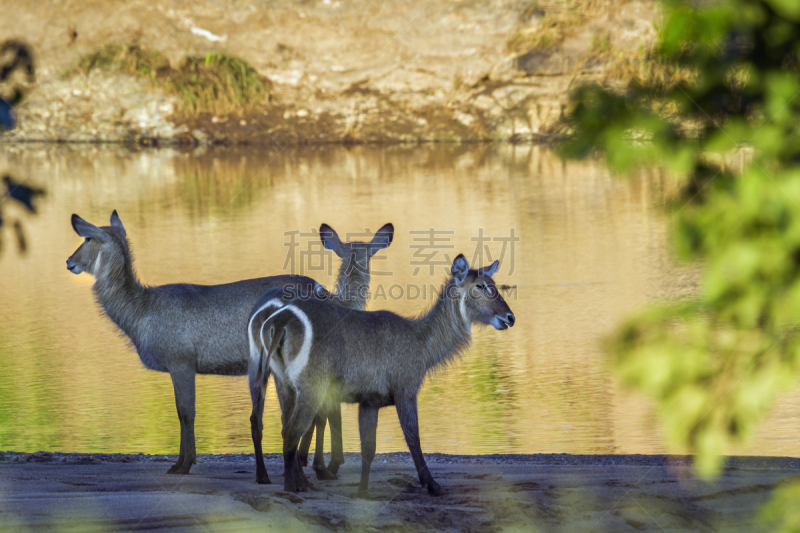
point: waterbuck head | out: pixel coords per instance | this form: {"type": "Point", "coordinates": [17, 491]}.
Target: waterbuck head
{"type": "Point", "coordinates": [479, 299]}
{"type": "Point", "coordinates": [356, 254]}
{"type": "Point", "coordinates": [352, 285]}
{"type": "Point", "coordinates": [101, 245]}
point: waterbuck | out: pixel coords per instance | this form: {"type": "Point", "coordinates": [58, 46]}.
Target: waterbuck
{"type": "Point", "coordinates": [189, 329]}
{"type": "Point", "coordinates": [352, 289]}
{"type": "Point", "coordinates": [322, 354]}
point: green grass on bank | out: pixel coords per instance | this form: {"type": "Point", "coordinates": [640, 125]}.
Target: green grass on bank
{"type": "Point", "coordinates": [216, 83]}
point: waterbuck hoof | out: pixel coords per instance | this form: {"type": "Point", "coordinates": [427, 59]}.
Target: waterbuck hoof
{"type": "Point", "coordinates": [363, 494]}
{"type": "Point", "coordinates": [333, 467]}
{"type": "Point", "coordinates": [434, 489]}
{"type": "Point", "coordinates": [263, 480]}
{"type": "Point", "coordinates": [174, 468]}
{"type": "Point", "coordinates": [325, 474]}
{"type": "Point", "coordinates": [299, 487]}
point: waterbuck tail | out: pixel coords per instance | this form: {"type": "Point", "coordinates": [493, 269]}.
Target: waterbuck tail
{"type": "Point", "coordinates": [258, 367]}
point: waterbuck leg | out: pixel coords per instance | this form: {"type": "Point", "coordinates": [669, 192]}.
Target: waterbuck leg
{"type": "Point", "coordinates": [182, 453]}
{"type": "Point", "coordinates": [337, 448]}
{"type": "Point", "coordinates": [258, 388]}
{"type": "Point", "coordinates": [298, 423]}
{"type": "Point", "coordinates": [183, 384]}
{"type": "Point", "coordinates": [319, 453]}
{"type": "Point", "coordinates": [407, 413]}
{"type": "Point", "coordinates": [305, 446]}
{"type": "Point", "coordinates": [367, 428]}
{"type": "Point", "coordinates": [293, 474]}
{"type": "Point", "coordinates": [285, 401]}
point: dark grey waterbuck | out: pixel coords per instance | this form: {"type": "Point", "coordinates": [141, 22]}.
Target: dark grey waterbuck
{"type": "Point", "coordinates": [321, 354]}
{"type": "Point", "coordinates": [189, 329]}
{"type": "Point", "coordinates": [352, 290]}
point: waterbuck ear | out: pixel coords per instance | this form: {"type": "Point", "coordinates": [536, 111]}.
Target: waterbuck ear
{"type": "Point", "coordinates": [489, 270]}
{"type": "Point", "coordinates": [331, 240]}
{"type": "Point", "coordinates": [117, 223]}
{"type": "Point", "coordinates": [382, 239]}
{"type": "Point", "coordinates": [87, 230]}
{"type": "Point", "coordinates": [460, 269]}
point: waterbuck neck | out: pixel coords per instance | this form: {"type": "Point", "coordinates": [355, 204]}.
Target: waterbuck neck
{"type": "Point", "coordinates": [118, 290]}
{"type": "Point", "coordinates": [352, 285]}
{"type": "Point", "coordinates": [445, 328]}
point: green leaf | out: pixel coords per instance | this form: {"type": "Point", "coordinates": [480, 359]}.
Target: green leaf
{"type": "Point", "coordinates": [786, 8]}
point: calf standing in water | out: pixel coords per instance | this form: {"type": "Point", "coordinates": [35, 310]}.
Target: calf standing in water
{"type": "Point", "coordinates": [189, 329]}
{"type": "Point", "coordinates": [322, 354]}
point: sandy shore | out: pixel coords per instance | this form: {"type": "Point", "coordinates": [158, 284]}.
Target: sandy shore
{"type": "Point", "coordinates": [484, 493]}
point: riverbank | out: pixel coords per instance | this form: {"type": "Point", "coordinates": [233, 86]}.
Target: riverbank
{"type": "Point", "coordinates": [356, 72]}
{"type": "Point", "coordinates": [483, 493]}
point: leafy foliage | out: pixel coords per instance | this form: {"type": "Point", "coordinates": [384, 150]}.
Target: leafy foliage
{"type": "Point", "coordinates": [715, 364]}
{"type": "Point", "coordinates": [15, 56]}
{"type": "Point", "coordinates": [782, 512]}
{"type": "Point", "coordinates": [216, 83]}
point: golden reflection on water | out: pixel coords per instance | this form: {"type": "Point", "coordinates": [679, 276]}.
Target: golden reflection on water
{"type": "Point", "coordinates": [591, 249]}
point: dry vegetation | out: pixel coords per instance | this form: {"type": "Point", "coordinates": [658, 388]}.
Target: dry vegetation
{"type": "Point", "coordinates": [215, 83]}
{"type": "Point", "coordinates": [645, 70]}
{"type": "Point", "coordinates": [546, 24]}
{"type": "Point", "coordinates": [548, 32]}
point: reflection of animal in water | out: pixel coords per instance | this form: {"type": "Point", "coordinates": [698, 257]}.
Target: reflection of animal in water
{"type": "Point", "coordinates": [19, 57]}
{"type": "Point", "coordinates": [24, 195]}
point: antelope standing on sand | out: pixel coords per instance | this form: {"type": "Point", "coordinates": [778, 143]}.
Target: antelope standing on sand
{"type": "Point", "coordinates": [352, 289]}
{"type": "Point", "coordinates": [322, 354]}
{"type": "Point", "coordinates": [188, 329]}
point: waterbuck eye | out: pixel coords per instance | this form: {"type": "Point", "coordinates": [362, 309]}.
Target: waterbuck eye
{"type": "Point", "coordinates": [481, 286]}
{"type": "Point", "coordinates": [88, 239]}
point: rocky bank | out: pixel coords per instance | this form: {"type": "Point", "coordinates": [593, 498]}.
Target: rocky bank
{"type": "Point", "coordinates": [377, 72]}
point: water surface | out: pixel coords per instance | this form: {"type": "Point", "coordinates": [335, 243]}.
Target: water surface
{"type": "Point", "coordinates": [591, 249]}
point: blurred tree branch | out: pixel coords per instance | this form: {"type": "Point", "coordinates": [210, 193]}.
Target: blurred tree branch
{"type": "Point", "coordinates": [716, 364]}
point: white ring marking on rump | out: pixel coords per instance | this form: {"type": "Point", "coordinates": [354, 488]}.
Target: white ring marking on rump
{"type": "Point", "coordinates": [294, 367]}
{"type": "Point", "coordinates": [254, 352]}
